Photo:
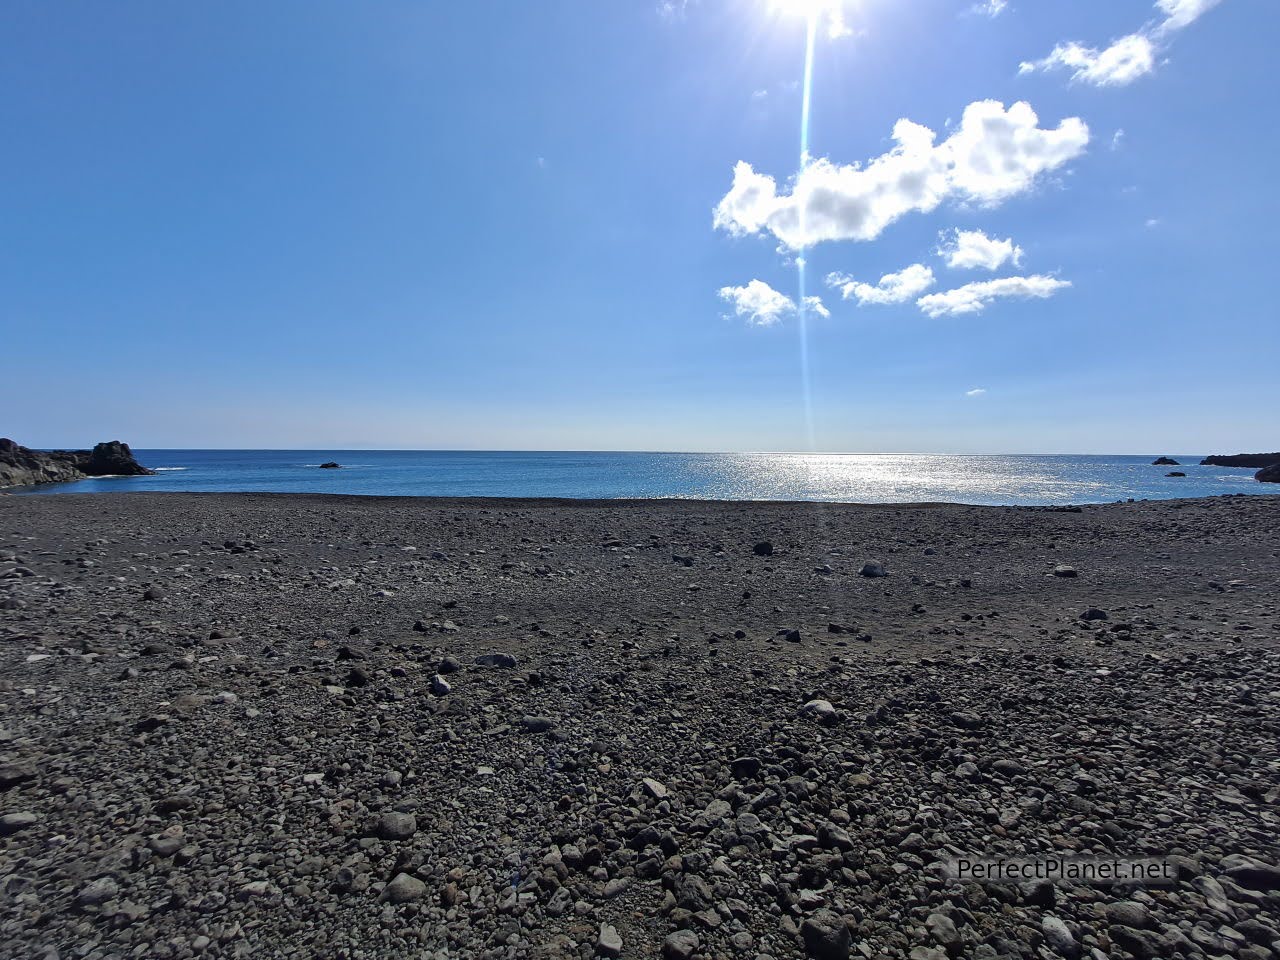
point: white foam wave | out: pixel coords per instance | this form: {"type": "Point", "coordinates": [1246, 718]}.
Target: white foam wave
{"type": "Point", "coordinates": [164, 469]}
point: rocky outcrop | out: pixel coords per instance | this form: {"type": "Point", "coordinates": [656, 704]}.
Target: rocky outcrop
{"type": "Point", "coordinates": [112, 459]}
{"type": "Point", "coordinates": [331, 465]}
{"type": "Point", "coordinates": [1164, 462]}
{"type": "Point", "coordinates": [1254, 460]}
{"type": "Point", "coordinates": [1269, 474]}
{"type": "Point", "coordinates": [23, 467]}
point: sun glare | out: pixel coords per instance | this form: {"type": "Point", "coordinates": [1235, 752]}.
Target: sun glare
{"type": "Point", "coordinates": [827, 12]}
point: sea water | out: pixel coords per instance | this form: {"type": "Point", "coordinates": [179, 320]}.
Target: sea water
{"type": "Point", "coordinates": [864, 478]}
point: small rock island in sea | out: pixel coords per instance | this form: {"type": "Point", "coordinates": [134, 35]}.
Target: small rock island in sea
{"type": "Point", "coordinates": [23, 467]}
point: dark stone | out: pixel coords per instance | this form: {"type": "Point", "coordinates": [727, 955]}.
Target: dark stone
{"type": "Point", "coordinates": [1252, 874]}
{"type": "Point", "coordinates": [1269, 474]}
{"type": "Point", "coordinates": [1175, 473]}
{"type": "Point", "coordinates": [21, 466]}
{"type": "Point", "coordinates": [330, 465]}
{"type": "Point", "coordinates": [1164, 462]}
{"type": "Point", "coordinates": [763, 549]}
{"type": "Point", "coordinates": [745, 767]}
{"type": "Point", "coordinates": [1254, 460]}
{"type": "Point", "coordinates": [113, 459]}
{"type": "Point", "coordinates": [825, 936]}
{"type": "Point", "coordinates": [538, 724]}
{"type": "Point", "coordinates": [505, 660]}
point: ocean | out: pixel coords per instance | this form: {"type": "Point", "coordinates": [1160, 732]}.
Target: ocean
{"type": "Point", "coordinates": [862, 478]}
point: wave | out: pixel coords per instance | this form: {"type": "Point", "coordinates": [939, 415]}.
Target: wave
{"type": "Point", "coordinates": [165, 469]}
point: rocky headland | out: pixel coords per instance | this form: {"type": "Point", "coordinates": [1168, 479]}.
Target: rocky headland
{"type": "Point", "coordinates": [21, 466]}
{"type": "Point", "coordinates": [354, 727]}
{"type": "Point", "coordinates": [1242, 460]}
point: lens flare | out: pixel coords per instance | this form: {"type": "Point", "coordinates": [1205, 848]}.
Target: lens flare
{"type": "Point", "coordinates": [802, 302]}
{"type": "Point", "coordinates": [829, 13]}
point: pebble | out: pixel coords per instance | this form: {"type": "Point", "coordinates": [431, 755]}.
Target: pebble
{"type": "Point", "coordinates": [403, 889]}
{"type": "Point", "coordinates": [13, 822]}
{"type": "Point", "coordinates": [821, 710]}
{"type": "Point", "coordinates": [608, 942]}
{"type": "Point", "coordinates": [680, 945]}
{"type": "Point", "coordinates": [395, 826]}
{"type": "Point", "coordinates": [825, 936]}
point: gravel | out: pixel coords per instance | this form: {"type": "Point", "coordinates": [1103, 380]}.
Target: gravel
{"type": "Point", "coordinates": [630, 756]}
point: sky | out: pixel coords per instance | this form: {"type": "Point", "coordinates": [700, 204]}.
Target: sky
{"type": "Point", "coordinates": [572, 224]}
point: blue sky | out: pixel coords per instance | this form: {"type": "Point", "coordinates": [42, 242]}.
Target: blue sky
{"type": "Point", "coordinates": [518, 225]}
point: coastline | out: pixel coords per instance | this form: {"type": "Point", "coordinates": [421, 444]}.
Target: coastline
{"type": "Point", "coordinates": [623, 502]}
{"type": "Point", "coordinates": [318, 723]}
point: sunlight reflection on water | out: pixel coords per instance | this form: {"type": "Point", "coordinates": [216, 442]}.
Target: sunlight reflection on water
{"type": "Point", "coordinates": [861, 478]}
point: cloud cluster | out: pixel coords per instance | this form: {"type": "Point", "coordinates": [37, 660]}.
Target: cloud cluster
{"type": "Point", "coordinates": [906, 284]}
{"type": "Point", "coordinates": [974, 297]}
{"type": "Point", "coordinates": [1121, 63]}
{"type": "Point", "coordinates": [1126, 59]}
{"type": "Point", "coordinates": [973, 249]}
{"type": "Point", "coordinates": [962, 250]}
{"type": "Point", "coordinates": [763, 306]}
{"type": "Point", "coordinates": [994, 154]}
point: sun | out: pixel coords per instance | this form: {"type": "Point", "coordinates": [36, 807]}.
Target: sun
{"type": "Point", "coordinates": [816, 12]}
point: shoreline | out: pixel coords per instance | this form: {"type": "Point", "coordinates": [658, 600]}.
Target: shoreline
{"type": "Point", "coordinates": [634, 502]}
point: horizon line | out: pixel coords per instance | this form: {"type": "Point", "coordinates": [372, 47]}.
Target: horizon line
{"type": "Point", "coordinates": [601, 450]}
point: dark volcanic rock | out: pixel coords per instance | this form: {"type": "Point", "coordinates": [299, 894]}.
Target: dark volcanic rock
{"type": "Point", "coordinates": [330, 465]}
{"type": "Point", "coordinates": [21, 466]}
{"type": "Point", "coordinates": [1269, 474]}
{"type": "Point", "coordinates": [1164, 462]}
{"type": "Point", "coordinates": [825, 936]}
{"type": "Point", "coordinates": [1242, 460]}
{"type": "Point", "coordinates": [113, 459]}
{"type": "Point", "coordinates": [1175, 473]}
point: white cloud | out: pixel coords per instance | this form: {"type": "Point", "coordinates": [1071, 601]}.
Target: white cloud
{"type": "Point", "coordinates": [816, 305]}
{"type": "Point", "coordinates": [1121, 63]}
{"type": "Point", "coordinates": [1128, 58]}
{"type": "Point", "coordinates": [1117, 138]}
{"type": "Point", "coordinates": [974, 297]}
{"type": "Point", "coordinates": [907, 284]}
{"type": "Point", "coordinates": [993, 155]}
{"type": "Point", "coordinates": [764, 306]}
{"type": "Point", "coordinates": [971, 249]}
{"type": "Point", "coordinates": [1182, 13]}
{"type": "Point", "coordinates": [975, 392]}
{"type": "Point", "coordinates": [1153, 222]}
{"type": "Point", "coordinates": [992, 8]}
